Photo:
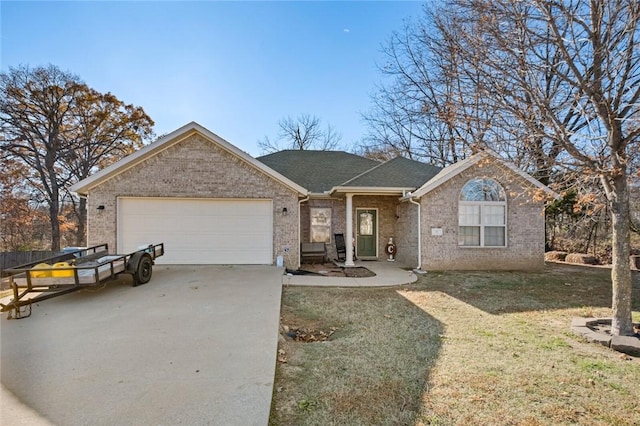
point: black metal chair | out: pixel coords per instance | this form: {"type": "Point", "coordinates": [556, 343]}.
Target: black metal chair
{"type": "Point", "coordinates": [341, 248]}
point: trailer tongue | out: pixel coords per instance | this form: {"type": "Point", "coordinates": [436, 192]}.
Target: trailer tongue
{"type": "Point", "coordinates": [73, 271]}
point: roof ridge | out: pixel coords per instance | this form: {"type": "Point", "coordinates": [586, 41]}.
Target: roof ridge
{"type": "Point", "coordinates": [340, 151]}
{"type": "Point", "coordinates": [366, 171]}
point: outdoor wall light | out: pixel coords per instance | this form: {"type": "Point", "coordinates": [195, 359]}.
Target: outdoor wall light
{"type": "Point", "coordinates": [100, 208]}
{"type": "Point", "coordinates": [285, 211]}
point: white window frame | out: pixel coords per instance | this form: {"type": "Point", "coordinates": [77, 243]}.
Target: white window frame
{"type": "Point", "coordinates": [482, 206]}
{"type": "Point", "coordinates": [311, 225]}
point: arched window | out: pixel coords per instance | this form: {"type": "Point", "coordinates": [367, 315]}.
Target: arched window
{"type": "Point", "coordinates": [482, 214]}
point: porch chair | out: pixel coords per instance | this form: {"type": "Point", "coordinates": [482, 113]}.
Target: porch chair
{"type": "Point", "coordinates": [341, 248]}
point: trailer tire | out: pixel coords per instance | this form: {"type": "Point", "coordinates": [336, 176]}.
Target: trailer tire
{"type": "Point", "coordinates": [142, 268]}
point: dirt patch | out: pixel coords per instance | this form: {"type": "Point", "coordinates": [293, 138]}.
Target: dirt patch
{"type": "Point", "coordinates": [332, 270]}
{"type": "Point", "coordinates": [372, 370]}
{"type": "Point", "coordinates": [308, 335]}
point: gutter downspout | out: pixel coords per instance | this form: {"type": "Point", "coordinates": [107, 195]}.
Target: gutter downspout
{"type": "Point", "coordinates": [418, 268]}
{"type": "Point", "coordinates": [300, 230]}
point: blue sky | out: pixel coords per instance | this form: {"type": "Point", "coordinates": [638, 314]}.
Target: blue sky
{"type": "Point", "coordinates": [234, 67]}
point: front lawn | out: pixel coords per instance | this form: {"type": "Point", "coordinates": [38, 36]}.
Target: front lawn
{"type": "Point", "coordinates": [454, 348]}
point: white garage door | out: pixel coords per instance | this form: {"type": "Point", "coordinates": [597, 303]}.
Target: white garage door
{"type": "Point", "coordinates": [198, 231]}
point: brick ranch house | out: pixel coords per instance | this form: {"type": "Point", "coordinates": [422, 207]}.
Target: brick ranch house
{"type": "Point", "coordinates": [211, 203]}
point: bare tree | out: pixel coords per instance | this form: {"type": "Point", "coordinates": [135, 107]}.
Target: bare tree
{"type": "Point", "coordinates": [569, 72]}
{"type": "Point", "coordinates": [20, 215]}
{"type": "Point", "coordinates": [61, 130]}
{"type": "Point", "coordinates": [430, 109]}
{"type": "Point", "coordinates": [34, 106]}
{"type": "Point", "coordinates": [554, 85]}
{"type": "Point", "coordinates": [304, 132]}
{"type": "Point", "coordinates": [435, 105]}
{"type": "Point", "coordinates": [105, 129]}
{"type": "Point", "coordinates": [635, 209]}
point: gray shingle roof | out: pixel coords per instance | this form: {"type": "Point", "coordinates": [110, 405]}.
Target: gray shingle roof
{"type": "Point", "coordinates": [319, 171]}
{"type": "Point", "coordinates": [397, 173]}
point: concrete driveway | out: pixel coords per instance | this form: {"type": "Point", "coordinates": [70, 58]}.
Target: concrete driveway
{"type": "Point", "coordinates": [196, 345]}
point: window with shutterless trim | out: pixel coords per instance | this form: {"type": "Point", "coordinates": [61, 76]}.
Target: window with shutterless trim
{"type": "Point", "coordinates": [482, 214]}
{"type": "Point", "coordinates": [320, 227]}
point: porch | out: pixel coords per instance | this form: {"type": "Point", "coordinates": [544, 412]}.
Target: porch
{"type": "Point", "coordinates": [387, 274]}
{"type": "Point", "coordinates": [373, 219]}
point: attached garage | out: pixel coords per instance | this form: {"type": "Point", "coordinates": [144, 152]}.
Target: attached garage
{"type": "Point", "coordinates": [205, 199]}
{"type": "Point", "coordinates": [198, 231]}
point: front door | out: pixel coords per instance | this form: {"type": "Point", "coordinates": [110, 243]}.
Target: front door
{"type": "Point", "coordinates": [367, 233]}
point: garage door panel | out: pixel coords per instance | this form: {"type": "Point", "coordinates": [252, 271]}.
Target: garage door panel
{"type": "Point", "coordinates": [197, 231]}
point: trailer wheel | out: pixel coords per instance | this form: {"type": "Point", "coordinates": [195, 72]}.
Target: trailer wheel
{"type": "Point", "coordinates": [143, 272]}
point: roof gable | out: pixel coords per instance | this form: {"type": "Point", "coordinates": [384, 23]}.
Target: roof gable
{"type": "Point", "coordinates": [166, 142]}
{"type": "Point", "coordinates": [455, 169]}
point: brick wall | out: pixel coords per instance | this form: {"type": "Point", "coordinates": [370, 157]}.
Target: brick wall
{"type": "Point", "coordinates": [386, 206]}
{"type": "Point", "coordinates": [525, 225]}
{"type": "Point", "coordinates": [407, 234]}
{"type": "Point", "coordinates": [195, 167]}
{"type": "Point", "coordinates": [338, 217]}
{"type": "Point", "coordinates": [386, 218]}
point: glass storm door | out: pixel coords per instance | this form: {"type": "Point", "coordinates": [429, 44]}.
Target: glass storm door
{"type": "Point", "coordinates": [367, 233]}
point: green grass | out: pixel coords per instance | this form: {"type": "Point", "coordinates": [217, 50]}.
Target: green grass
{"type": "Point", "coordinates": [590, 365]}
{"type": "Point", "coordinates": [553, 343]}
{"type": "Point", "coordinates": [456, 348]}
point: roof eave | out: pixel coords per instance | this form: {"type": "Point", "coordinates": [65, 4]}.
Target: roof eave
{"type": "Point", "coordinates": [322, 195]}
{"type": "Point", "coordinates": [370, 190]}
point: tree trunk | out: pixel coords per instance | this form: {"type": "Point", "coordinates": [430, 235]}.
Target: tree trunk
{"type": "Point", "coordinates": [595, 237]}
{"type": "Point", "coordinates": [81, 214]}
{"type": "Point", "coordinates": [54, 210]}
{"type": "Point", "coordinates": [622, 324]}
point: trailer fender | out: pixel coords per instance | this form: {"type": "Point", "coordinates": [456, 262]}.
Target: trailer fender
{"type": "Point", "coordinates": [140, 266]}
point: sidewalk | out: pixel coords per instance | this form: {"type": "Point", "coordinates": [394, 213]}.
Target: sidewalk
{"type": "Point", "coordinates": [387, 274]}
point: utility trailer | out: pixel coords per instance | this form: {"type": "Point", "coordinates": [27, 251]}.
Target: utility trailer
{"type": "Point", "coordinates": [72, 271]}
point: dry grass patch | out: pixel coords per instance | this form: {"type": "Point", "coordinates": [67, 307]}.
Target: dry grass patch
{"type": "Point", "coordinates": [372, 370]}
{"type": "Point", "coordinates": [454, 349]}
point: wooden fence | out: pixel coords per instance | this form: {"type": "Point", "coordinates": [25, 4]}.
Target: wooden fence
{"type": "Point", "coordinates": [15, 258]}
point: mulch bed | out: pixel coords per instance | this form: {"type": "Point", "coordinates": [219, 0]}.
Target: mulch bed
{"type": "Point", "coordinates": [605, 327]}
{"type": "Point", "coordinates": [331, 270]}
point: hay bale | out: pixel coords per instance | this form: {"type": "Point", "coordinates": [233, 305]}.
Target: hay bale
{"type": "Point", "coordinates": [555, 256]}
{"type": "Point", "coordinates": [581, 259]}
